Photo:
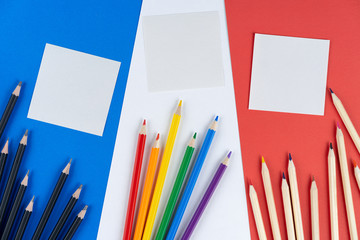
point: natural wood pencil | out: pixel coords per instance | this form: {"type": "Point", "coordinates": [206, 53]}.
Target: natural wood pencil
{"type": "Point", "coordinates": [314, 203]}
{"type": "Point", "coordinates": [357, 173]}
{"type": "Point", "coordinates": [3, 156]}
{"type": "Point", "coordinates": [24, 220]}
{"type": "Point", "coordinates": [257, 213]}
{"type": "Point", "coordinates": [333, 195]}
{"type": "Point", "coordinates": [287, 209]}
{"type": "Point", "coordinates": [76, 223]}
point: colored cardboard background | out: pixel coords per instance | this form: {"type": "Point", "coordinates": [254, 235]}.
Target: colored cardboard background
{"type": "Point", "coordinates": [306, 137]}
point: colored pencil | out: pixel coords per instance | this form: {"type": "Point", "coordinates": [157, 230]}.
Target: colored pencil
{"type": "Point", "coordinates": [206, 198]}
{"type": "Point", "coordinates": [176, 189]}
{"type": "Point", "coordinates": [12, 177]}
{"type": "Point", "coordinates": [15, 207]}
{"type": "Point", "coordinates": [24, 220]}
{"type": "Point", "coordinates": [346, 120]}
{"type": "Point", "coordinates": [346, 183]}
{"type": "Point", "coordinates": [9, 108]}
{"type": "Point", "coordinates": [314, 205]}
{"type": "Point", "coordinates": [162, 173]}
{"type": "Point", "coordinates": [192, 180]}
{"type": "Point", "coordinates": [148, 186]}
{"type": "Point", "coordinates": [3, 156]}
{"type": "Point", "coordinates": [65, 214]}
{"type": "Point", "coordinates": [333, 195]}
{"type": "Point", "coordinates": [257, 213]}
{"type": "Point", "coordinates": [270, 200]}
{"type": "Point", "coordinates": [135, 182]}
{"type": "Point", "coordinates": [287, 209]}
{"type": "Point", "coordinates": [76, 223]}
{"type": "Point", "coordinates": [295, 200]}
{"type": "Point", "coordinates": [357, 173]}
{"type": "Point", "coordinates": [51, 203]}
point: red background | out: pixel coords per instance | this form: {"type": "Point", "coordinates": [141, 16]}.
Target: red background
{"type": "Point", "coordinates": [307, 137]}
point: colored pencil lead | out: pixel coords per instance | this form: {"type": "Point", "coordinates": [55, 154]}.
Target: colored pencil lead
{"type": "Point", "coordinates": [157, 136]}
{"type": "Point", "coordinates": [338, 125]}
{"type": "Point", "coordinates": [262, 159]}
{"type": "Point", "coordinates": [229, 155]}
{"type": "Point", "coordinates": [194, 137]}
{"type": "Point", "coordinates": [180, 103]}
{"type": "Point", "coordinates": [355, 164]}
{"type": "Point", "coordinates": [216, 118]}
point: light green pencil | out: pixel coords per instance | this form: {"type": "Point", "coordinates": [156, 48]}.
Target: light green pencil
{"type": "Point", "coordinates": [176, 189]}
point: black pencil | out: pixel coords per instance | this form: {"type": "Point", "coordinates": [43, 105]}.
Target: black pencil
{"type": "Point", "coordinates": [76, 223]}
{"type": "Point", "coordinates": [9, 108]}
{"type": "Point", "coordinates": [15, 207]}
{"type": "Point", "coordinates": [24, 220]}
{"type": "Point", "coordinates": [3, 157]}
{"type": "Point", "coordinates": [51, 203]}
{"type": "Point", "coordinates": [65, 214]}
{"type": "Point", "coordinates": [13, 173]}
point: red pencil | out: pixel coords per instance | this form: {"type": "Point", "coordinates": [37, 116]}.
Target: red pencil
{"type": "Point", "coordinates": [135, 182]}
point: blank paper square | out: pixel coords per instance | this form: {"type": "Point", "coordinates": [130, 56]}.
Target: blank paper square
{"type": "Point", "coordinates": [74, 89]}
{"type": "Point", "coordinates": [183, 51]}
{"type": "Point", "coordinates": [289, 74]}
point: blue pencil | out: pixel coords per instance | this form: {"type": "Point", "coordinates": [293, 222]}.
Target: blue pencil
{"type": "Point", "coordinates": [192, 180]}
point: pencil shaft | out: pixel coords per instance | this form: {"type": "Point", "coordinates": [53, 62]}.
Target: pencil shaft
{"type": "Point", "coordinates": [357, 175]}
{"type": "Point", "coordinates": [346, 184]}
{"type": "Point", "coordinates": [13, 212]}
{"type": "Point", "coordinates": [314, 202]}
{"type": "Point", "coordinates": [134, 187]}
{"type": "Point", "coordinates": [74, 226]}
{"type": "Point", "coordinates": [64, 216]}
{"type": "Point", "coordinates": [191, 182]}
{"type": "Point", "coordinates": [50, 206]}
{"type": "Point", "coordinates": [333, 196]}
{"type": "Point", "coordinates": [288, 210]}
{"type": "Point", "coordinates": [174, 193]}
{"type": "Point", "coordinates": [161, 176]}
{"type": "Point", "coordinates": [257, 213]}
{"type": "Point", "coordinates": [7, 112]}
{"type": "Point", "coordinates": [23, 224]}
{"type": "Point", "coordinates": [204, 202]}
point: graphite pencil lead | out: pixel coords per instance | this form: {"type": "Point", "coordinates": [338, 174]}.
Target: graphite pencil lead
{"type": "Point", "coordinates": [283, 175]}
{"type": "Point", "coordinates": [331, 147]}
{"type": "Point", "coordinates": [331, 90]}
{"type": "Point", "coordinates": [67, 168]}
{"type": "Point", "coordinates": [83, 212]}
{"type": "Point", "coordinates": [5, 149]}
{"type": "Point", "coordinates": [25, 138]}
{"type": "Point", "coordinates": [313, 178]}
{"type": "Point", "coordinates": [76, 194]}
{"type": "Point", "coordinates": [290, 158]}
{"type": "Point", "coordinates": [30, 206]}
{"type": "Point", "coordinates": [16, 91]}
{"type": "Point", "coordinates": [24, 182]}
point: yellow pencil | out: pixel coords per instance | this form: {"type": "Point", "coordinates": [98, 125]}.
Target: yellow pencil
{"type": "Point", "coordinates": [162, 173]}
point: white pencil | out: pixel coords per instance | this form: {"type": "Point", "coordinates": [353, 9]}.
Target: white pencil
{"type": "Point", "coordinates": [295, 200]}
{"type": "Point", "coordinates": [257, 213]}
{"type": "Point", "coordinates": [346, 184]}
{"type": "Point", "coordinates": [357, 173]}
{"type": "Point", "coordinates": [314, 202]}
{"type": "Point", "coordinates": [270, 200]}
{"type": "Point", "coordinates": [333, 195]}
{"type": "Point", "coordinates": [287, 209]}
{"type": "Point", "coordinates": [346, 120]}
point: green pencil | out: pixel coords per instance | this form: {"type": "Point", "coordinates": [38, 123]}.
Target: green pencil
{"type": "Point", "coordinates": [176, 189]}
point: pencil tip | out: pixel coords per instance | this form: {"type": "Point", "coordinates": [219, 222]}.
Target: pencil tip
{"type": "Point", "coordinates": [144, 123]}
{"type": "Point", "coordinates": [283, 175]}
{"type": "Point", "coordinates": [180, 103]}
{"type": "Point", "coordinates": [80, 187]}
{"type": "Point", "coordinates": [331, 147]}
{"type": "Point", "coordinates": [355, 164]}
{"type": "Point", "coordinates": [86, 207]}
{"type": "Point", "coordinates": [290, 158]}
{"type": "Point", "coordinates": [229, 154]}
{"type": "Point", "coordinates": [338, 125]}
{"type": "Point", "coordinates": [20, 83]}
{"type": "Point", "coordinates": [194, 137]}
{"type": "Point", "coordinates": [331, 90]}
{"type": "Point", "coordinates": [217, 118]}
{"type": "Point", "coordinates": [26, 132]}
{"type": "Point", "coordinates": [313, 178]}
{"type": "Point", "coordinates": [70, 161]}
{"type": "Point", "coordinates": [262, 159]}
{"type": "Point", "coordinates": [157, 136]}
{"type": "Point", "coordinates": [250, 182]}
{"type": "Point", "coordinates": [5, 149]}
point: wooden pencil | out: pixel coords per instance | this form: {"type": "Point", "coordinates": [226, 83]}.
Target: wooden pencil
{"type": "Point", "coordinates": [51, 203]}
{"type": "Point", "coordinates": [148, 186]}
{"type": "Point", "coordinates": [135, 182]}
{"type": "Point", "coordinates": [159, 184]}
{"type": "Point", "coordinates": [194, 174]}
{"type": "Point", "coordinates": [24, 220]}
{"type": "Point", "coordinates": [75, 224]}
{"type": "Point", "coordinates": [3, 156]}
{"type": "Point", "coordinates": [9, 108]}
{"type": "Point", "coordinates": [357, 173]}
{"type": "Point", "coordinates": [257, 213]}
{"type": "Point", "coordinates": [65, 214]}
{"type": "Point", "coordinates": [206, 198]}
{"type": "Point", "coordinates": [287, 209]}
{"type": "Point", "coordinates": [346, 120]}
{"type": "Point", "coordinates": [15, 207]}
{"type": "Point", "coordinates": [344, 170]}
{"type": "Point", "coordinates": [170, 206]}
{"type": "Point", "coordinates": [314, 203]}
{"type": "Point", "coordinates": [333, 194]}
{"type": "Point", "coordinates": [12, 176]}
{"type": "Point", "coordinates": [270, 200]}
{"type": "Point", "coordinates": [295, 200]}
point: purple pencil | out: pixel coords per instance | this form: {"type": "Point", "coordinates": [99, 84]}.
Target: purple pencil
{"type": "Point", "coordinates": [206, 198]}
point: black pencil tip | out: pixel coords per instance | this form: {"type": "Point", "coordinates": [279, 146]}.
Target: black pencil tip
{"type": "Point", "coordinates": [331, 90]}
{"type": "Point", "coordinates": [331, 147]}
{"type": "Point", "coordinates": [290, 158]}
{"type": "Point", "coordinates": [283, 175]}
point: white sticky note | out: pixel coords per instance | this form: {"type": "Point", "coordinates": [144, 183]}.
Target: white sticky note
{"type": "Point", "coordinates": [289, 74]}
{"type": "Point", "coordinates": [183, 51]}
{"type": "Point", "coordinates": [74, 89]}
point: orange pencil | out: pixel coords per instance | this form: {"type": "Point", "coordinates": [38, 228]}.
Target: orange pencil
{"type": "Point", "coordinates": [146, 193]}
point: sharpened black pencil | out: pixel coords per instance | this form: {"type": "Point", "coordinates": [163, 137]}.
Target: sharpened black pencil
{"type": "Point", "coordinates": [76, 223]}
{"type": "Point", "coordinates": [65, 214]}
{"type": "Point", "coordinates": [12, 177]}
{"type": "Point", "coordinates": [15, 207]}
{"type": "Point", "coordinates": [51, 203]}
{"type": "Point", "coordinates": [9, 108]}
{"type": "Point", "coordinates": [24, 220]}
{"type": "Point", "coordinates": [3, 157]}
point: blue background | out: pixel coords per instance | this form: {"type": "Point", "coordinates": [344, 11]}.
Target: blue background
{"type": "Point", "coordinates": [104, 28]}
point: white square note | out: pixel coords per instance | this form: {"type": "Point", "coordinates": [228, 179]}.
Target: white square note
{"type": "Point", "coordinates": [74, 89]}
{"type": "Point", "coordinates": [289, 74]}
{"type": "Point", "coordinates": [183, 51]}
